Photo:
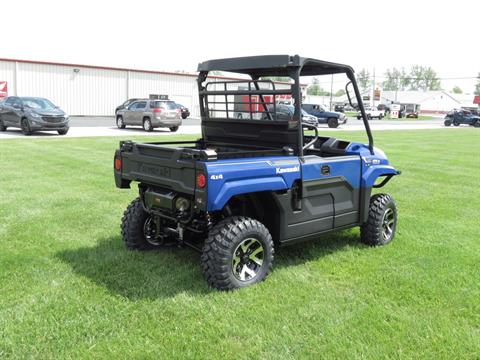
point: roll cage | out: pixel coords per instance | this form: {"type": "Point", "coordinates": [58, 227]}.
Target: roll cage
{"type": "Point", "coordinates": [235, 130]}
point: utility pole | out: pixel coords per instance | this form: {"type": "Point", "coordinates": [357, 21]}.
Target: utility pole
{"type": "Point", "coordinates": [331, 92]}
{"type": "Point", "coordinates": [373, 88]}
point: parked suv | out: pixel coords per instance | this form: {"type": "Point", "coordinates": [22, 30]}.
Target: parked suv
{"type": "Point", "coordinates": [325, 116]}
{"type": "Point", "coordinates": [150, 114]}
{"type": "Point", "coordinates": [32, 114]}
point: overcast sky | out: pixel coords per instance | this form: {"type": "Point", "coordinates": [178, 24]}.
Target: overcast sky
{"type": "Point", "coordinates": [176, 35]}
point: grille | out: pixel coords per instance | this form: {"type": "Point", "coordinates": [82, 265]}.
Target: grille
{"type": "Point", "coordinates": [53, 119]}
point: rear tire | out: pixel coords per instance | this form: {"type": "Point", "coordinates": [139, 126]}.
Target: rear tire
{"type": "Point", "coordinates": [147, 125]}
{"type": "Point", "coordinates": [120, 123]}
{"type": "Point", "coordinates": [135, 222]}
{"type": "Point", "coordinates": [381, 224]}
{"type": "Point", "coordinates": [332, 123]}
{"type": "Point", "coordinates": [238, 252]}
{"type": "Point", "coordinates": [174, 128]}
{"type": "Point", "coordinates": [2, 126]}
{"type": "Point", "coordinates": [456, 123]}
{"type": "Point", "coordinates": [477, 124]}
{"type": "Point", "coordinates": [25, 126]}
{"type": "Point", "coordinates": [63, 132]}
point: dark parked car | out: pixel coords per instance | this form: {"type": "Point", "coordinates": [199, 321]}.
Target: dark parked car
{"type": "Point", "coordinates": [339, 108]}
{"type": "Point", "coordinates": [457, 117]}
{"type": "Point", "coordinates": [32, 114]}
{"type": "Point", "coordinates": [150, 114]}
{"type": "Point", "coordinates": [184, 110]}
{"type": "Point", "coordinates": [324, 116]}
{"type": "Point", "coordinates": [285, 112]}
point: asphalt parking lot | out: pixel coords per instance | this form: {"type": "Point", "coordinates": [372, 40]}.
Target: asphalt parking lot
{"type": "Point", "coordinates": [105, 126]}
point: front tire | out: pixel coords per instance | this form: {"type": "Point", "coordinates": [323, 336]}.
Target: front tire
{"type": "Point", "coordinates": [120, 123]}
{"type": "Point", "coordinates": [174, 128]}
{"type": "Point", "coordinates": [477, 124]}
{"type": "Point", "coordinates": [238, 252]}
{"type": "Point", "coordinates": [138, 228]}
{"type": "Point", "coordinates": [63, 131]}
{"type": "Point", "coordinates": [147, 125]}
{"type": "Point", "coordinates": [455, 123]}
{"type": "Point", "coordinates": [447, 123]}
{"type": "Point", "coordinates": [381, 224]}
{"type": "Point", "coordinates": [25, 126]}
{"type": "Point", "coordinates": [2, 126]}
{"type": "Point", "coordinates": [332, 123]}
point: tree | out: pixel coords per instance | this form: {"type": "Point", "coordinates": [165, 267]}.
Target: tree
{"type": "Point", "coordinates": [457, 90]}
{"type": "Point", "coordinates": [340, 92]}
{"type": "Point", "coordinates": [423, 78]}
{"type": "Point", "coordinates": [363, 79]}
{"type": "Point", "coordinates": [396, 79]}
{"type": "Point", "coordinates": [477, 86]}
{"type": "Point", "coordinates": [316, 89]}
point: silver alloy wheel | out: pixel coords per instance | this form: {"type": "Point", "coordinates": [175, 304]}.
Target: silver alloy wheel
{"type": "Point", "coordinates": [150, 232]}
{"type": "Point", "coordinates": [146, 125]}
{"type": "Point", "coordinates": [119, 122]}
{"type": "Point", "coordinates": [388, 224]}
{"type": "Point", "coordinates": [248, 259]}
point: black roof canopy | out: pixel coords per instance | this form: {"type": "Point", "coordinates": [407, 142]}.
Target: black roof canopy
{"type": "Point", "coordinates": [274, 65]}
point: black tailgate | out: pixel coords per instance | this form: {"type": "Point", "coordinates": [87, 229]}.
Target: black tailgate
{"type": "Point", "coordinates": [157, 165]}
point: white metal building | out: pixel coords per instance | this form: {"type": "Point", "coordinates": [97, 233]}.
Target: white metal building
{"type": "Point", "coordinates": [97, 90]}
{"type": "Point", "coordinates": [94, 90]}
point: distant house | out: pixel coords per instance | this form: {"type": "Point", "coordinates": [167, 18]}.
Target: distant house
{"type": "Point", "coordinates": [430, 101]}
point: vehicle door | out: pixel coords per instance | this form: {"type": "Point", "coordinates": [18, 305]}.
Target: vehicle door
{"type": "Point", "coordinates": [129, 114]}
{"type": "Point", "coordinates": [330, 192]}
{"type": "Point", "coordinates": [320, 113]}
{"type": "Point", "coordinates": [17, 112]}
{"type": "Point", "coordinates": [7, 110]}
{"type": "Point", "coordinates": [139, 112]}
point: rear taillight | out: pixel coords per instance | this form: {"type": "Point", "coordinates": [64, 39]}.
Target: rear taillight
{"type": "Point", "coordinates": [201, 180]}
{"type": "Point", "coordinates": [118, 164]}
{"type": "Point", "coordinates": [157, 110]}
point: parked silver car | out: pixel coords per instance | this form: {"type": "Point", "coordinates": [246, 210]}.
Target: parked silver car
{"type": "Point", "coordinates": [150, 114]}
{"type": "Point", "coordinates": [32, 114]}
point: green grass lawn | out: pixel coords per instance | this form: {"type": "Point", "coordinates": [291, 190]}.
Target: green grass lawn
{"type": "Point", "coordinates": [69, 288]}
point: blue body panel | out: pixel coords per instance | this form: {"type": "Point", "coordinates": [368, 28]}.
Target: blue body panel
{"type": "Point", "coordinates": [347, 167]}
{"type": "Point", "coordinates": [230, 177]}
{"type": "Point", "coordinates": [227, 178]}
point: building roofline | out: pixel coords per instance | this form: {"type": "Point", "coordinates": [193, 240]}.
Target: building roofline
{"type": "Point", "coordinates": [122, 69]}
